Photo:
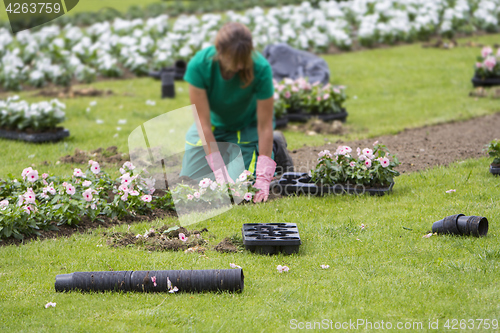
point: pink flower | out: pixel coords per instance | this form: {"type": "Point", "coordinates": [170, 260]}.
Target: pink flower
{"type": "Point", "coordinates": [205, 182]}
{"type": "Point", "coordinates": [64, 184]}
{"type": "Point", "coordinates": [123, 188]}
{"type": "Point", "coordinates": [276, 96]}
{"type": "Point", "coordinates": [51, 190]}
{"type": "Point", "coordinates": [93, 206]}
{"type": "Point", "coordinates": [287, 94]}
{"type": "Point", "coordinates": [325, 153]}
{"type": "Point", "coordinates": [125, 178]}
{"type": "Point", "coordinates": [282, 269]}
{"type": "Point", "coordinates": [26, 171]}
{"type": "Point", "coordinates": [234, 265]}
{"type": "Point", "coordinates": [128, 165]}
{"type": "Point", "coordinates": [70, 189]}
{"type": "Point", "coordinates": [427, 235]}
{"type": "Point", "coordinates": [362, 158]}
{"type": "Point", "coordinates": [486, 51]}
{"type": "Point", "coordinates": [153, 279]}
{"type": "Point", "coordinates": [32, 176]}
{"type": "Point", "coordinates": [50, 304]}
{"type": "Point", "coordinates": [20, 200]}
{"type": "Point", "coordinates": [362, 226]}
{"type": "Point", "coordinates": [29, 196]}
{"type": "Point", "coordinates": [134, 193]}
{"type": "Point", "coordinates": [490, 63]}
{"type": "Point", "coordinates": [122, 171]}
{"type": "Point", "coordinates": [95, 168]}
{"type": "Point", "coordinates": [91, 162]}
{"type": "Point", "coordinates": [335, 90]}
{"type": "Point", "coordinates": [295, 89]}
{"type": "Point", "coordinates": [190, 197]}
{"type": "Point", "coordinates": [451, 191]}
{"type": "Point", "coordinates": [281, 87]}
{"type": "Point", "coordinates": [146, 198]}
{"type": "Point", "coordinates": [197, 195]}
{"type": "Point", "coordinates": [325, 266]}
{"type": "Point", "coordinates": [124, 197]}
{"type": "Point", "coordinates": [318, 98]}
{"type": "Point", "coordinates": [77, 173]}
{"type": "Point", "coordinates": [86, 183]}
{"type": "Point", "coordinates": [479, 64]}
{"type": "Point", "coordinates": [358, 151]}
{"type": "Point", "coordinates": [368, 163]}
{"type": "Point", "coordinates": [375, 143]}
{"type": "Point", "coordinates": [45, 175]}
{"type": "Point", "coordinates": [87, 195]}
{"type": "Point", "coordinates": [248, 196]}
{"type": "Point", "coordinates": [182, 237]}
{"type": "Point", "coordinates": [242, 177]}
{"type": "Point", "coordinates": [384, 161]}
{"type": "Point", "coordinates": [4, 203]}
{"type": "Point", "coordinates": [367, 152]}
{"type": "Point", "coordinates": [352, 164]}
{"type": "Point", "coordinates": [326, 96]}
{"type": "Point", "coordinates": [498, 52]}
{"type": "Point", "coordinates": [213, 186]}
{"type": "Point", "coordinates": [28, 209]}
{"type": "Point", "coordinates": [152, 190]}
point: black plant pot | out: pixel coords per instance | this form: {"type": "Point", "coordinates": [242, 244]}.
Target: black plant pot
{"type": "Point", "coordinates": [35, 137]}
{"type": "Point", "coordinates": [495, 170]}
{"type": "Point", "coordinates": [167, 85]}
{"type": "Point", "coordinates": [462, 225]}
{"type": "Point", "coordinates": [486, 82]}
{"type": "Point", "coordinates": [301, 116]}
{"type": "Point", "coordinates": [180, 69]}
{"type": "Point", "coordinates": [140, 281]}
{"type": "Point", "coordinates": [281, 122]}
{"type": "Point", "coordinates": [296, 183]}
{"type": "Point", "coordinates": [157, 74]}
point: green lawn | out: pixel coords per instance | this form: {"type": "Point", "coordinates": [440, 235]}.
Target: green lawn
{"type": "Point", "coordinates": [385, 272]}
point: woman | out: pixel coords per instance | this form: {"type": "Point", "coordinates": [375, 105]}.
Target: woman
{"type": "Point", "coordinates": [231, 86]}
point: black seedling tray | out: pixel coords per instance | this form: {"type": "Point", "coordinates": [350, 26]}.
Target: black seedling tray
{"type": "Point", "coordinates": [295, 183]}
{"type": "Point", "coordinates": [271, 238]}
{"type": "Point", "coordinates": [495, 170]}
{"type": "Point", "coordinates": [281, 122]}
{"type": "Point", "coordinates": [301, 116]}
{"type": "Point", "coordinates": [487, 82]}
{"type": "Point", "coordinates": [34, 137]}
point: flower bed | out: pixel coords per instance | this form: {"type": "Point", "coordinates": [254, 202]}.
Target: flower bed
{"type": "Point", "coordinates": [494, 151]}
{"type": "Point", "coordinates": [35, 202]}
{"type": "Point", "coordinates": [36, 122]}
{"type": "Point", "coordinates": [60, 55]}
{"type": "Point", "coordinates": [487, 68]}
{"type": "Point", "coordinates": [372, 172]}
{"type": "Point", "coordinates": [298, 100]}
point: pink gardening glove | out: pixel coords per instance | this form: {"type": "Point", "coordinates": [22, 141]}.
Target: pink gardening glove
{"type": "Point", "coordinates": [265, 173]}
{"type": "Point", "coordinates": [217, 165]}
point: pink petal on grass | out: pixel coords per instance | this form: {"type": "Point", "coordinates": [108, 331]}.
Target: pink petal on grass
{"type": "Point", "coordinates": [234, 265]}
{"type": "Point", "coordinates": [325, 266]}
{"type": "Point", "coordinates": [427, 235]}
{"type": "Point", "coordinates": [451, 191]}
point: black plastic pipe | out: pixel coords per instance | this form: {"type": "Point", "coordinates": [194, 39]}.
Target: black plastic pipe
{"type": "Point", "coordinates": [144, 281]}
{"type": "Point", "coordinates": [462, 225]}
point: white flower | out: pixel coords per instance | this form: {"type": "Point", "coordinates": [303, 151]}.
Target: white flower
{"type": "Point", "coordinates": [50, 304]}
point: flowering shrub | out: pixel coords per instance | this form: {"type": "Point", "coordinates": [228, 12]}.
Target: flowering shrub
{"type": "Point", "coordinates": [213, 193]}
{"type": "Point", "coordinates": [494, 151]}
{"type": "Point", "coordinates": [312, 98]}
{"type": "Point", "coordinates": [34, 202]}
{"type": "Point", "coordinates": [373, 167]}
{"type": "Point", "coordinates": [20, 115]}
{"type": "Point", "coordinates": [488, 63]}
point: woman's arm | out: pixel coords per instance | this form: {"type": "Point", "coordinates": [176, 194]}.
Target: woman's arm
{"type": "Point", "coordinates": [265, 126]}
{"type": "Point", "coordinates": [202, 118]}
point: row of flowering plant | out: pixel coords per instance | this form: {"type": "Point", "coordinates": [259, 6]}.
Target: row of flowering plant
{"type": "Point", "coordinates": [314, 98]}
{"type": "Point", "coordinates": [372, 167]}
{"type": "Point", "coordinates": [494, 151]}
{"type": "Point", "coordinates": [18, 114]}
{"type": "Point", "coordinates": [488, 63]}
{"type": "Point", "coordinates": [214, 193]}
{"type": "Point", "coordinates": [33, 202]}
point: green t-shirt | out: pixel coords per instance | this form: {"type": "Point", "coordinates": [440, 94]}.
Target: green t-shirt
{"type": "Point", "coordinates": [231, 107]}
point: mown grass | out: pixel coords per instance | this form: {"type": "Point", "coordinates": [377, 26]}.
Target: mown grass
{"type": "Point", "coordinates": [385, 272]}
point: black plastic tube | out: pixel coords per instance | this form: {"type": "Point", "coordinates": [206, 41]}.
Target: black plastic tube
{"type": "Point", "coordinates": [462, 225]}
{"type": "Point", "coordinates": [144, 281]}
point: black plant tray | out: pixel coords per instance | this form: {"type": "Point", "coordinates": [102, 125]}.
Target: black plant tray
{"type": "Point", "coordinates": [487, 82]}
{"type": "Point", "coordinates": [281, 122]}
{"type": "Point", "coordinates": [495, 170]}
{"type": "Point", "coordinates": [295, 183]}
{"type": "Point", "coordinates": [34, 137]}
{"type": "Point", "coordinates": [271, 238]}
{"type": "Point", "coordinates": [300, 116]}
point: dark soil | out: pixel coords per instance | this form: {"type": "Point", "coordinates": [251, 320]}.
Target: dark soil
{"type": "Point", "coordinates": [226, 246]}
{"type": "Point", "coordinates": [109, 155]}
{"type": "Point", "coordinates": [32, 131]}
{"type": "Point", "coordinates": [315, 126]}
{"type": "Point", "coordinates": [421, 148]}
{"type": "Point", "coordinates": [160, 240]}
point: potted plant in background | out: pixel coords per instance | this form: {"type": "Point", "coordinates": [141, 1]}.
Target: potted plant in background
{"type": "Point", "coordinates": [36, 122]}
{"type": "Point", "coordinates": [487, 68]}
{"type": "Point", "coordinates": [280, 113]}
{"type": "Point", "coordinates": [494, 151]}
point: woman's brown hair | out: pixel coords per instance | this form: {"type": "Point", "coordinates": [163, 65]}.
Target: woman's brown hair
{"type": "Point", "coordinates": [234, 43]}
